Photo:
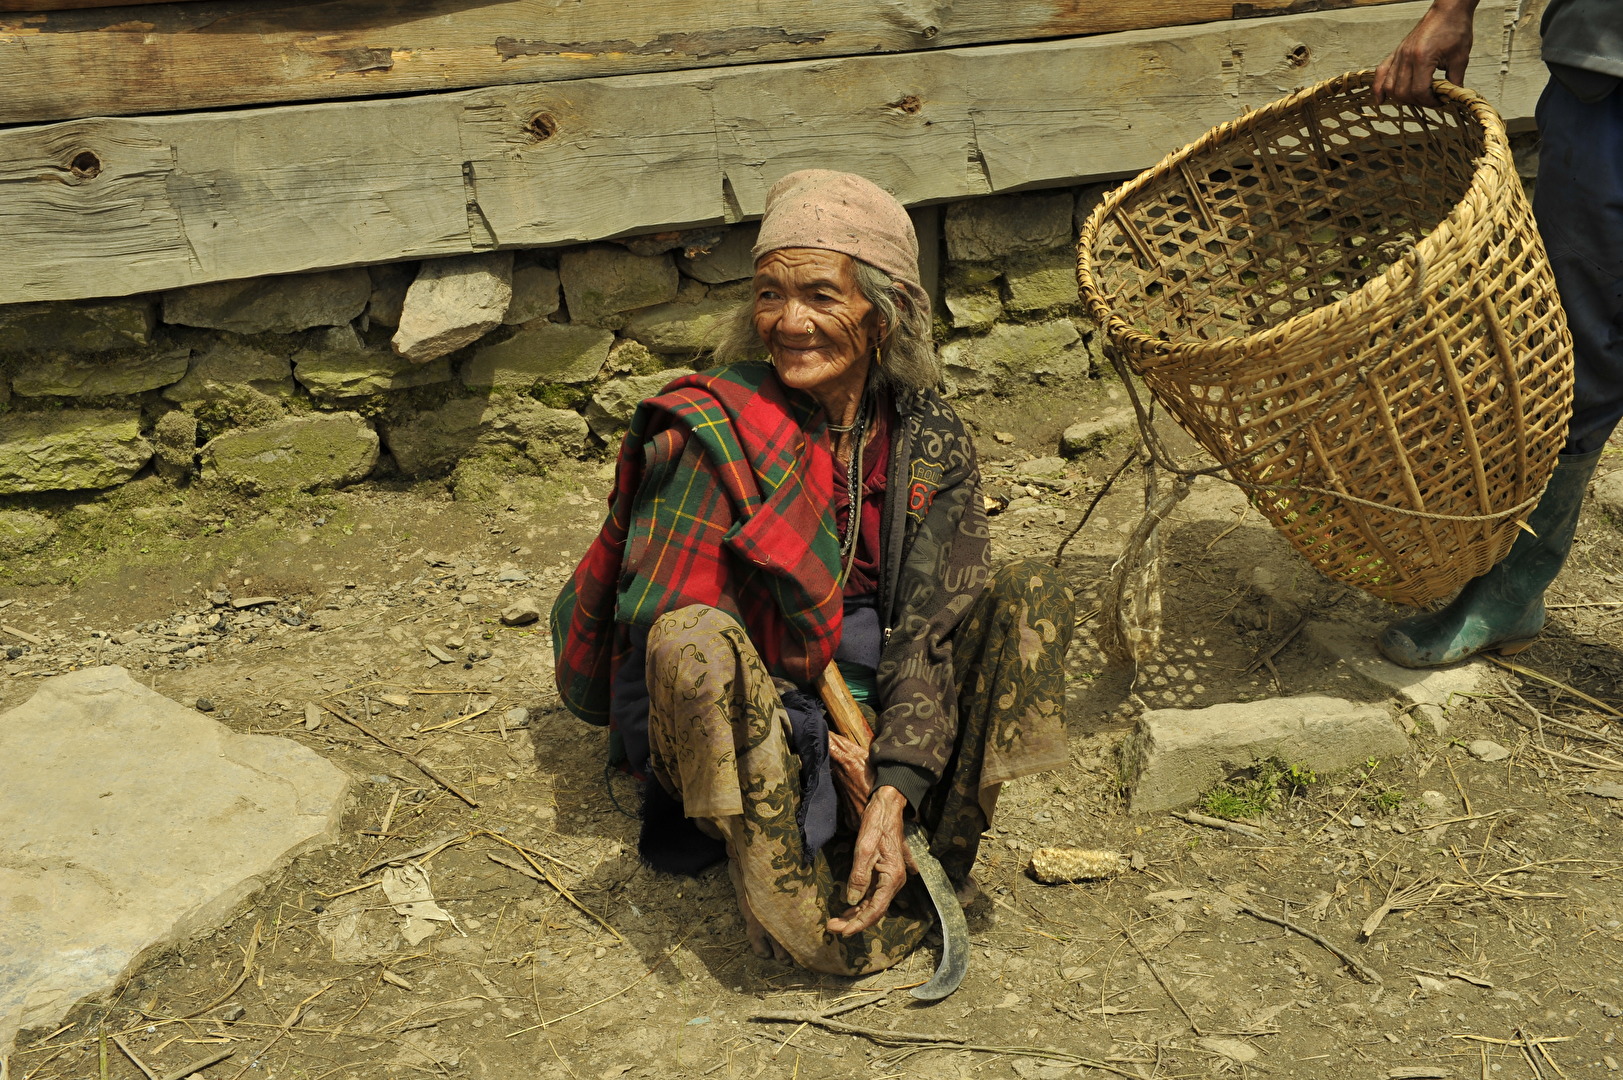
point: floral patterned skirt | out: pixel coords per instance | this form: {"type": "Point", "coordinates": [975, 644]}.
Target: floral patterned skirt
{"type": "Point", "coordinates": [719, 741]}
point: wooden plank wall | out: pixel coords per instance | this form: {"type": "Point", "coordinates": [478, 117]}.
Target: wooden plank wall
{"type": "Point", "coordinates": [110, 206]}
{"type": "Point", "coordinates": [181, 57]}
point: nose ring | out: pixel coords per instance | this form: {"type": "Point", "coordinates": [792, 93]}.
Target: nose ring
{"type": "Point", "coordinates": [811, 328]}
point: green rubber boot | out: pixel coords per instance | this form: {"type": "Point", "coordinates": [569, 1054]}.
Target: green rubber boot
{"type": "Point", "coordinates": [1503, 609]}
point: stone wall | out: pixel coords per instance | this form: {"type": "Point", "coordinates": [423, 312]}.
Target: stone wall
{"type": "Point", "coordinates": [477, 366]}
{"type": "Point", "coordinates": [431, 369]}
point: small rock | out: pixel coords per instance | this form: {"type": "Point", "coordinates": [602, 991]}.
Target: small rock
{"type": "Point", "coordinates": [439, 654]}
{"type": "Point", "coordinates": [314, 716]}
{"type": "Point", "coordinates": [454, 302]}
{"type": "Point", "coordinates": [24, 531]}
{"type": "Point", "coordinates": [468, 598]}
{"type": "Point", "coordinates": [1044, 467]}
{"type": "Point", "coordinates": [390, 281]}
{"type": "Point", "coordinates": [1436, 800]}
{"type": "Point", "coordinates": [601, 280]}
{"type": "Point", "coordinates": [1040, 280]}
{"type": "Point", "coordinates": [77, 326]}
{"type": "Point", "coordinates": [1016, 351]}
{"type": "Point", "coordinates": [395, 698]}
{"type": "Point", "coordinates": [301, 453]}
{"type": "Point", "coordinates": [1356, 821]}
{"type": "Point", "coordinates": [545, 352]}
{"type": "Point", "coordinates": [991, 229]}
{"type": "Point", "coordinates": [234, 369]}
{"type": "Point", "coordinates": [231, 1013]}
{"type": "Point", "coordinates": [70, 450]}
{"type": "Point", "coordinates": [522, 613]}
{"type": "Point", "coordinates": [1173, 755]}
{"type": "Point", "coordinates": [535, 294]}
{"type": "Point", "coordinates": [1003, 437]}
{"type": "Point", "coordinates": [67, 375]}
{"type": "Point", "coordinates": [253, 601]}
{"type": "Point", "coordinates": [612, 406]}
{"type": "Point", "coordinates": [1432, 716]}
{"type": "Point", "coordinates": [1086, 436]}
{"type": "Point", "coordinates": [174, 444]}
{"type": "Point", "coordinates": [511, 574]}
{"type": "Point", "coordinates": [205, 704]}
{"type": "Point", "coordinates": [516, 717]}
{"type": "Point", "coordinates": [281, 305]}
{"type": "Point", "coordinates": [336, 363]}
{"type": "Point", "coordinates": [728, 259]}
{"type": "Point", "coordinates": [1604, 789]}
{"type": "Point", "coordinates": [1487, 750]}
{"type": "Point", "coordinates": [1607, 492]}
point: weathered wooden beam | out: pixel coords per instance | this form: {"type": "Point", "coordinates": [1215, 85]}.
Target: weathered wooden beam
{"type": "Point", "coordinates": [185, 56]}
{"type": "Point", "coordinates": [109, 206]}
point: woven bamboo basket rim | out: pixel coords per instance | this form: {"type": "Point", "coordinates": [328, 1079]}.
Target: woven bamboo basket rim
{"type": "Point", "coordinates": [1402, 275]}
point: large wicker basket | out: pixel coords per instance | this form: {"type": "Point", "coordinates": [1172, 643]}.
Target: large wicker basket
{"type": "Point", "coordinates": [1349, 307]}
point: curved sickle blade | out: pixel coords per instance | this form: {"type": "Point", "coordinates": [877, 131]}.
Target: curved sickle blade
{"type": "Point", "coordinates": [949, 915]}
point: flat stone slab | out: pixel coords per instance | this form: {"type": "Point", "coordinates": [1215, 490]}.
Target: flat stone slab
{"type": "Point", "coordinates": [129, 822]}
{"type": "Point", "coordinates": [1175, 755]}
{"type": "Point", "coordinates": [1354, 648]}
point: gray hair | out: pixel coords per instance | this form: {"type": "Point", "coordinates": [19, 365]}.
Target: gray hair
{"type": "Point", "coordinates": [907, 358]}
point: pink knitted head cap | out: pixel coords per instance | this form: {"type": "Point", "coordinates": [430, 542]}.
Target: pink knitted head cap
{"type": "Point", "coordinates": [835, 211]}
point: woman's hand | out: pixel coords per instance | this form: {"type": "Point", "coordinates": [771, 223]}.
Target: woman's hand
{"type": "Point", "coordinates": [853, 775]}
{"type": "Point", "coordinates": [879, 866]}
{"type": "Point", "coordinates": [1441, 39]}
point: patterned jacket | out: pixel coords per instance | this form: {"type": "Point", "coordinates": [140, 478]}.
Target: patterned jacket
{"type": "Point", "coordinates": [934, 556]}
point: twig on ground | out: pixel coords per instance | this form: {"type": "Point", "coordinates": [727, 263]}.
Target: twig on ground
{"type": "Point", "coordinates": [1557, 683]}
{"type": "Point", "coordinates": [1126, 933]}
{"type": "Point", "coordinates": [1406, 899]}
{"type": "Point", "coordinates": [1093, 504]}
{"type": "Point", "coordinates": [422, 766]}
{"type": "Point", "coordinates": [199, 1065]}
{"type": "Point", "coordinates": [1265, 656]}
{"type": "Point", "coordinates": [878, 1035]}
{"type": "Point", "coordinates": [1459, 787]}
{"type": "Point", "coordinates": [1238, 828]}
{"type": "Point", "coordinates": [137, 1062]}
{"type": "Point", "coordinates": [535, 871]}
{"type": "Point", "coordinates": [247, 966]}
{"type": "Point", "coordinates": [433, 847]}
{"type": "Point", "coordinates": [1358, 967]}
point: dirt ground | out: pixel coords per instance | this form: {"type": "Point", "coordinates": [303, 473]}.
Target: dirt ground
{"type": "Point", "coordinates": [1499, 956]}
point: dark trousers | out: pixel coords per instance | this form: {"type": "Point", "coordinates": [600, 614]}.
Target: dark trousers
{"type": "Point", "coordinates": [1579, 205]}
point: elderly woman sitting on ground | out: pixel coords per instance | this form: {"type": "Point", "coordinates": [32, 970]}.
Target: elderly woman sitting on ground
{"type": "Point", "coordinates": [769, 519]}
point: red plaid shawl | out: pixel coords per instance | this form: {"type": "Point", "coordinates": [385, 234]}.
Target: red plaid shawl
{"type": "Point", "coordinates": [721, 499]}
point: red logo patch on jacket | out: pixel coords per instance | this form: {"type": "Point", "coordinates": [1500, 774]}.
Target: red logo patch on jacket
{"type": "Point", "coordinates": [925, 482]}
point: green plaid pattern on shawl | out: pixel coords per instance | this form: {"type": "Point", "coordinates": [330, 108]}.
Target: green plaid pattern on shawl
{"type": "Point", "coordinates": [721, 498]}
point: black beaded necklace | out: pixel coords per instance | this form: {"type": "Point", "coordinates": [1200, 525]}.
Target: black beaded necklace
{"type": "Point", "coordinates": [853, 486]}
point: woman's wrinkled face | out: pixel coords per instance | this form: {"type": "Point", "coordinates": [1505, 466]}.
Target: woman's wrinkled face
{"type": "Point", "coordinates": [818, 327]}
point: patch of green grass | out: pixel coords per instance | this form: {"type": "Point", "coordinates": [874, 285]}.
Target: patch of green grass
{"type": "Point", "coordinates": [1268, 784]}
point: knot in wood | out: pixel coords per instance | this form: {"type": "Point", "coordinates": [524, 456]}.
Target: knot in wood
{"type": "Point", "coordinates": [542, 126]}
{"type": "Point", "coordinates": [85, 165]}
